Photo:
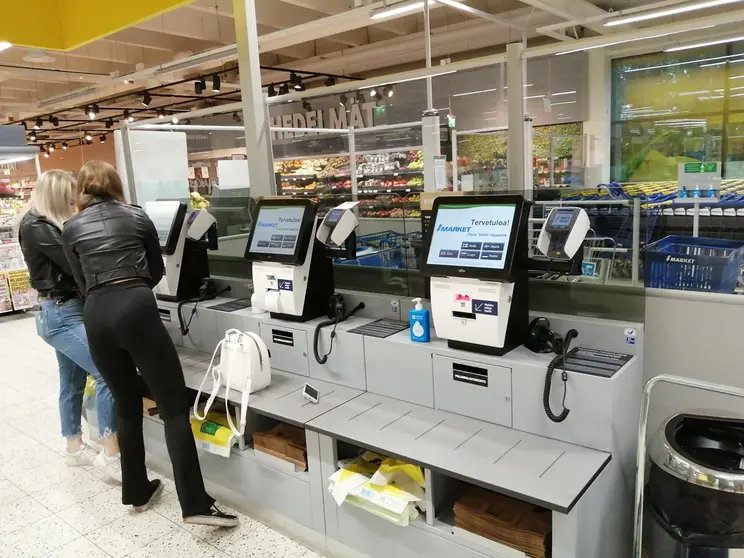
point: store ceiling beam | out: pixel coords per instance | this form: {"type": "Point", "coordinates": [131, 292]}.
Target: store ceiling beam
{"type": "Point", "coordinates": [332, 7]}
{"type": "Point", "coordinates": [571, 9]}
{"type": "Point", "coordinates": [201, 28]}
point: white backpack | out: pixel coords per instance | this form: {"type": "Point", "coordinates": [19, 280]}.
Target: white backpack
{"type": "Point", "coordinates": [244, 366]}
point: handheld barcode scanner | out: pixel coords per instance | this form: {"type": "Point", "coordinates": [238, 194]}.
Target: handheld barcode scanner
{"type": "Point", "coordinates": [475, 253]}
{"type": "Point", "coordinates": [184, 239]}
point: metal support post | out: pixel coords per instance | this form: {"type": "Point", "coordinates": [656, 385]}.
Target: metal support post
{"type": "Point", "coordinates": [427, 35]}
{"type": "Point", "coordinates": [255, 112]}
{"type": "Point", "coordinates": [696, 219]}
{"type": "Point", "coordinates": [636, 264]}
{"type": "Point", "coordinates": [515, 116]}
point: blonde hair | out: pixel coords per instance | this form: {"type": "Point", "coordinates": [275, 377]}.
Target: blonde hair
{"type": "Point", "coordinates": [98, 179]}
{"type": "Point", "coordinates": [53, 197]}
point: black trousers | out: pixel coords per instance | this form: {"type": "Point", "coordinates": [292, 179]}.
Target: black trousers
{"type": "Point", "coordinates": [125, 334]}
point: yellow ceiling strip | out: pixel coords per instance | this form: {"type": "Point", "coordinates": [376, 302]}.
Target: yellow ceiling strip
{"type": "Point", "coordinates": [69, 24]}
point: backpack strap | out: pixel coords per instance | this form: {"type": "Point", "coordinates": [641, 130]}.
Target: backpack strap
{"type": "Point", "coordinates": [216, 373]}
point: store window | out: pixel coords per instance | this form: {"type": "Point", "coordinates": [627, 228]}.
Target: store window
{"type": "Point", "coordinates": [671, 108]}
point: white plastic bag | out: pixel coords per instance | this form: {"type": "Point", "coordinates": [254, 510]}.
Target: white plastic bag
{"type": "Point", "coordinates": [244, 366]}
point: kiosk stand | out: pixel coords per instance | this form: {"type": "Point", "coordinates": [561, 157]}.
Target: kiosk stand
{"type": "Point", "coordinates": [182, 240]}
{"type": "Point", "coordinates": [474, 253]}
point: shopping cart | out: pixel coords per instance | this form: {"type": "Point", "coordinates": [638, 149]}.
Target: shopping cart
{"type": "Point", "coordinates": [382, 249]}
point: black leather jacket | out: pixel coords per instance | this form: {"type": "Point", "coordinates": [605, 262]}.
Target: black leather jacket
{"type": "Point", "coordinates": [110, 241]}
{"type": "Point", "coordinates": [41, 243]}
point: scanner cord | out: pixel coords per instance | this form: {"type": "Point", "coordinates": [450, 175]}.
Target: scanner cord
{"type": "Point", "coordinates": [316, 338]}
{"type": "Point", "coordinates": [185, 328]}
{"type": "Point", "coordinates": [560, 359]}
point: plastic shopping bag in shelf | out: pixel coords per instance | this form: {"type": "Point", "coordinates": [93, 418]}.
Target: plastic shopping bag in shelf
{"type": "Point", "coordinates": [394, 495]}
{"type": "Point", "coordinates": [213, 434]}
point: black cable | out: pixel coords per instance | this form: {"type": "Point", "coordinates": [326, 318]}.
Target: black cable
{"type": "Point", "coordinates": [334, 322]}
{"type": "Point", "coordinates": [185, 328]}
{"type": "Point", "coordinates": [558, 360]}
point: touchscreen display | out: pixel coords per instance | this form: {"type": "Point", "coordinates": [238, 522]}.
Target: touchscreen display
{"type": "Point", "coordinates": [334, 216]}
{"type": "Point", "coordinates": [561, 219]}
{"type": "Point", "coordinates": [471, 236]}
{"type": "Point", "coordinates": [277, 230]}
{"type": "Point", "coordinates": [163, 216]}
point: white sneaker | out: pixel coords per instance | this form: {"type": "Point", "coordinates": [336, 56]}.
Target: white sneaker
{"type": "Point", "coordinates": [81, 458]}
{"type": "Point", "coordinates": [111, 466]}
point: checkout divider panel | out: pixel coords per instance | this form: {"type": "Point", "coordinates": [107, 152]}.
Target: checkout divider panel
{"type": "Point", "coordinates": [404, 373]}
{"type": "Point", "coordinates": [475, 389]}
{"type": "Point", "coordinates": [347, 348]}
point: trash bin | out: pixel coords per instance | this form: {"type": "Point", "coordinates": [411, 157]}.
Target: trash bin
{"type": "Point", "coordinates": [696, 488]}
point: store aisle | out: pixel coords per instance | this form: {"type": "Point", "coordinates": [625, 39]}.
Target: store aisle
{"type": "Point", "coordinates": [49, 509]}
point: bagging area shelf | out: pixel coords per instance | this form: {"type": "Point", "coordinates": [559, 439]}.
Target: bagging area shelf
{"type": "Point", "coordinates": [403, 401]}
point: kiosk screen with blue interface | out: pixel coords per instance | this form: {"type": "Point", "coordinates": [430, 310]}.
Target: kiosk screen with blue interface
{"type": "Point", "coordinates": [471, 236]}
{"type": "Point", "coordinates": [277, 229]}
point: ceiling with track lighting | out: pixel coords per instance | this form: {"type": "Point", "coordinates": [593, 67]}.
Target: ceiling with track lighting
{"type": "Point", "coordinates": [87, 90]}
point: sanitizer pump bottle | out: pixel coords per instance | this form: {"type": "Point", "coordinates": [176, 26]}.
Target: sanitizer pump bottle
{"type": "Point", "coordinates": [419, 319]}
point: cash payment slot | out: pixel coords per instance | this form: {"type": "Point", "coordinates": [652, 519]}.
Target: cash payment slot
{"type": "Point", "coordinates": [184, 239]}
{"type": "Point", "coordinates": [292, 272]}
{"type": "Point", "coordinates": [475, 253]}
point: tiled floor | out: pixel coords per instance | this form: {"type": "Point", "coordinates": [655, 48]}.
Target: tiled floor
{"type": "Point", "coordinates": [48, 509]}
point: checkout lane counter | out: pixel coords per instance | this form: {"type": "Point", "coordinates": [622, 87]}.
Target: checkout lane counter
{"type": "Point", "coordinates": [429, 405]}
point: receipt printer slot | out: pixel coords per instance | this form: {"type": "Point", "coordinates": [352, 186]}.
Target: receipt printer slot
{"type": "Point", "coordinates": [288, 348]}
{"type": "Point", "coordinates": [463, 315]}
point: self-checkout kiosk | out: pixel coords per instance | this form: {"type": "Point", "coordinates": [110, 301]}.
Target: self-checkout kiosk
{"type": "Point", "coordinates": [469, 407]}
{"type": "Point", "coordinates": [475, 253]}
{"type": "Point", "coordinates": [292, 272]}
{"type": "Point", "coordinates": [184, 240]}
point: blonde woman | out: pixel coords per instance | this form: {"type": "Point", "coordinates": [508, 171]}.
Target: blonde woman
{"type": "Point", "coordinates": [60, 321]}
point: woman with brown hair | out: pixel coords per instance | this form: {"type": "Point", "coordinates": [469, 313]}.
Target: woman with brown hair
{"type": "Point", "coordinates": [115, 256]}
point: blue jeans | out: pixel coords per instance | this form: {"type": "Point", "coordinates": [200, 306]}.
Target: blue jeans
{"type": "Point", "coordinates": [61, 326]}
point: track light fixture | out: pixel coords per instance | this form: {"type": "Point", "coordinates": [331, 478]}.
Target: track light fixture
{"type": "Point", "coordinates": [109, 124]}
{"type": "Point", "coordinates": [64, 146]}
{"type": "Point", "coordinates": [174, 120]}
{"type": "Point", "coordinates": [283, 89]}
{"type": "Point", "coordinates": [88, 137]}
{"type": "Point", "coordinates": [307, 106]}
{"type": "Point", "coordinates": [38, 124]}
{"type": "Point", "coordinates": [296, 82]}
{"type": "Point", "coordinates": [373, 93]}
{"type": "Point", "coordinates": [146, 99]}
{"type": "Point", "coordinates": [271, 90]}
{"type": "Point", "coordinates": [216, 85]}
{"type": "Point", "coordinates": [46, 154]}
{"type": "Point", "coordinates": [32, 136]}
{"type": "Point", "coordinates": [237, 118]}
{"type": "Point", "coordinates": [198, 89]}
{"type": "Point", "coordinates": [330, 81]}
{"type": "Point", "coordinates": [161, 113]}
{"type": "Point", "coordinates": [388, 92]}
{"type": "Point", "coordinates": [54, 121]}
{"type": "Point", "coordinates": [343, 99]}
{"type": "Point", "coordinates": [128, 117]}
{"type": "Point", "coordinates": [50, 148]}
{"type": "Point", "coordinates": [93, 111]}
{"type": "Point", "coordinates": [360, 97]}
{"type": "Point", "coordinates": [103, 138]}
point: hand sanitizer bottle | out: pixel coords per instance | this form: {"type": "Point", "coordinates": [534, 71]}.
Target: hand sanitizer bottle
{"type": "Point", "coordinates": [419, 320]}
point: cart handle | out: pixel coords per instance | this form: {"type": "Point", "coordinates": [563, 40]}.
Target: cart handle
{"type": "Point", "coordinates": [643, 427]}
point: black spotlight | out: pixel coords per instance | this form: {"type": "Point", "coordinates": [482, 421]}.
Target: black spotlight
{"type": "Point", "coordinates": [236, 117]}
{"type": "Point", "coordinates": [93, 111]}
{"type": "Point", "coordinates": [330, 81]}
{"type": "Point", "coordinates": [198, 89]}
{"type": "Point", "coordinates": [88, 137]}
{"type": "Point", "coordinates": [360, 97]}
{"type": "Point", "coordinates": [296, 82]}
{"type": "Point", "coordinates": [32, 136]}
{"type": "Point", "coordinates": [50, 147]}
{"type": "Point", "coordinates": [64, 145]}
{"type": "Point", "coordinates": [128, 117]}
{"type": "Point", "coordinates": [307, 106]}
{"type": "Point", "coordinates": [161, 113]}
{"type": "Point", "coordinates": [109, 124]}
{"type": "Point", "coordinates": [38, 124]}
{"type": "Point", "coordinates": [271, 90]}
{"type": "Point", "coordinates": [54, 121]}
{"type": "Point", "coordinates": [216, 85]}
{"type": "Point", "coordinates": [283, 89]}
{"type": "Point", "coordinates": [343, 99]}
{"type": "Point", "coordinates": [103, 138]}
{"type": "Point", "coordinates": [146, 99]}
